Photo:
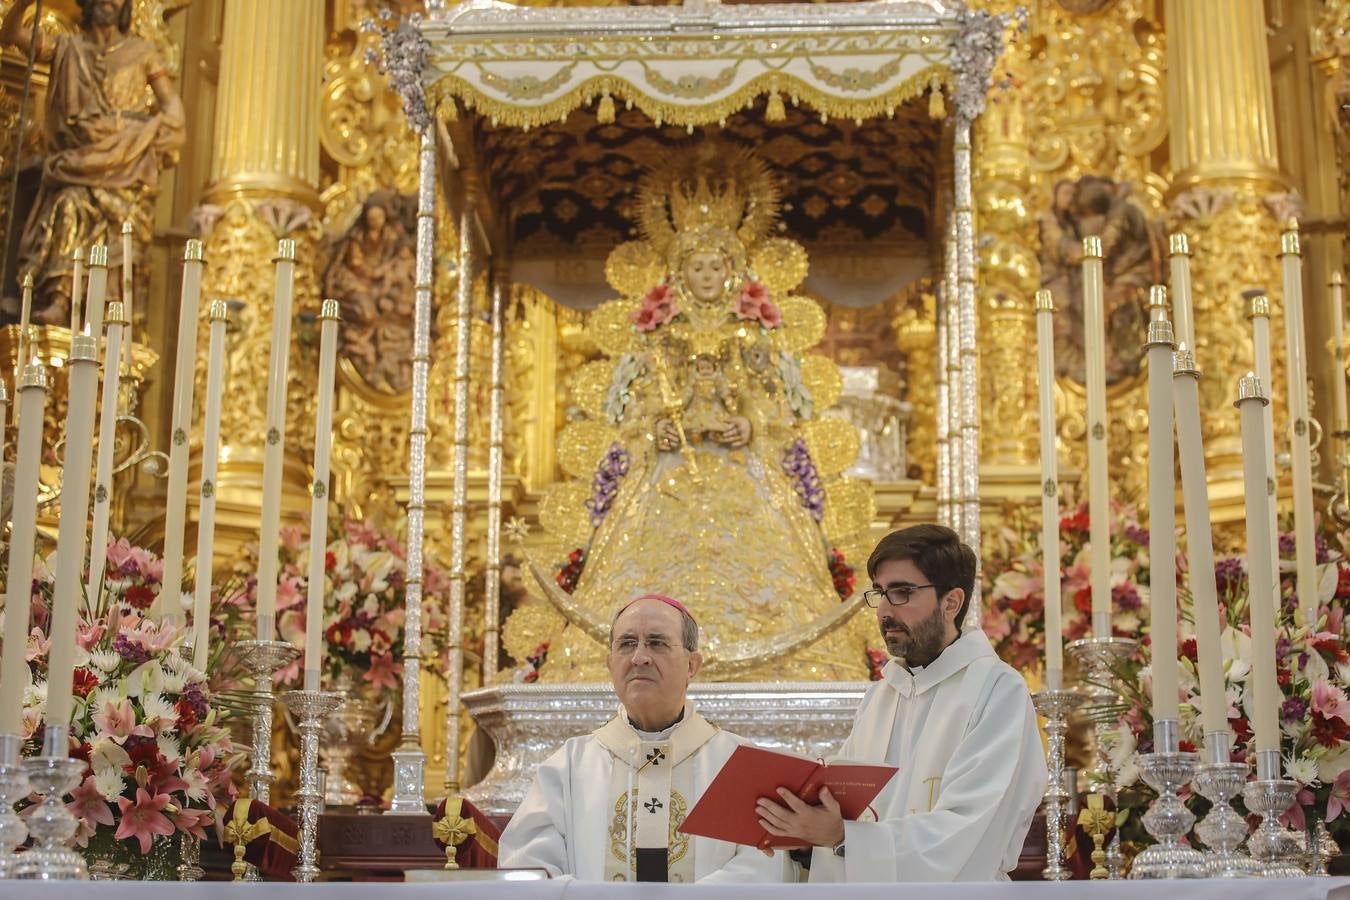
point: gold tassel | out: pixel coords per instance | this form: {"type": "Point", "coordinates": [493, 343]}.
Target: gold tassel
{"type": "Point", "coordinates": [774, 111]}
{"type": "Point", "coordinates": [448, 110]}
{"type": "Point", "coordinates": [604, 113]}
{"type": "Point", "coordinates": [937, 106]}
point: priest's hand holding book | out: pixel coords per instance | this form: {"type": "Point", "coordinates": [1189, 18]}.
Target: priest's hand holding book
{"type": "Point", "coordinates": [773, 800]}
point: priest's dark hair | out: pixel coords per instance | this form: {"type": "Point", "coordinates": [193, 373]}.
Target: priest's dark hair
{"type": "Point", "coordinates": [938, 553]}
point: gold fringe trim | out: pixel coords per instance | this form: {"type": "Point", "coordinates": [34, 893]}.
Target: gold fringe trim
{"type": "Point", "coordinates": [449, 88]}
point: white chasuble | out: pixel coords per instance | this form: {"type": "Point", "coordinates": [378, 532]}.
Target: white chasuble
{"type": "Point", "coordinates": [963, 733]}
{"type": "Point", "coordinates": [608, 806]}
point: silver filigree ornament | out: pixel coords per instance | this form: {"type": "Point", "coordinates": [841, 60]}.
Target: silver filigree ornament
{"type": "Point", "coordinates": [402, 59]}
{"type": "Point", "coordinates": [977, 48]}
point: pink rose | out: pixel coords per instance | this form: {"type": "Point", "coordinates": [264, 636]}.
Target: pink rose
{"type": "Point", "coordinates": [657, 308]}
{"type": "Point", "coordinates": [644, 319]}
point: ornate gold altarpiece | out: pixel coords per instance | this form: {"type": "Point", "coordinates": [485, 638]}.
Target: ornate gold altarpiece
{"type": "Point", "coordinates": [688, 65]}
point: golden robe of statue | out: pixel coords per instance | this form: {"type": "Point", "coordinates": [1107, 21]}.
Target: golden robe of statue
{"type": "Point", "coordinates": [702, 480]}
{"type": "Point", "coordinates": [105, 146]}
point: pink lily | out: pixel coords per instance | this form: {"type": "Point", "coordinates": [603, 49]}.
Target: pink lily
{"type": "Point", "coordinates": [88, 806]}
{"type": "Point", "coordinates": [191, 821]}
{"type": "Point", "coordinates": [1339, 801]}
{"type": "Point", "coordinates": [382, 671]}
{"type": "Point", "coordinates": [118, 721]}
{"type": "Point", "coordinates": [1330, 701]}
{"type": "Point", "coordinates": [144, 818]}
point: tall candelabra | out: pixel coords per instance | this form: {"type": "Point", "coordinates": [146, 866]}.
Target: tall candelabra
{"type": "Point", "coordinates": [52, 775]}
{"type": "Point", "coordinates": [1098, 659]}
{"type": "Point", "coordinates": [1168, 770]}
{"type": "Point", "coordinates": [310, 708]}
{"type": "Point", "coordinates": [263, 659]}
{"type": "Point", "coordinates": [1056, 706]}
{"type": "Point", "coordinates": [1274, 847]}
{"type": "Point", "coordinates": [13, 788]}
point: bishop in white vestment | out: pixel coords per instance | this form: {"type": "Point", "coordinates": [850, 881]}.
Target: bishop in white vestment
{"type": "Point", "coordinates": [955, 720]}
{"type": "Point", "coordinates": [607, 806]}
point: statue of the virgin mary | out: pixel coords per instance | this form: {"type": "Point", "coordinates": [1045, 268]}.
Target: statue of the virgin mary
{"type": "Point", "coordinates": [704, 470]}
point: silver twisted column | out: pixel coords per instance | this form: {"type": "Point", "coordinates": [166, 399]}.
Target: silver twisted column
{"type": "Point", "coordinates": [1168, 770]}
{"type": "Point", "coordinates": [1098, 658]}
{"type": "Point", "coordinates": [13, 788]}
{"type": "Point", "coordinates": [410, 761]}
{"type": "Point", "coordinates": [310, 708]}
{"type": "Point", "coordinates": [1056, 707]}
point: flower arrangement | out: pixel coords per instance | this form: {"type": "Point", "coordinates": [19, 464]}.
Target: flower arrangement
{"type": "Point", "coordinates": [1313, 671]}
{"type": "Point", "coordinates": [1014, 582]}
{"type": "Point", "coordinates": [753, 305]}
{"type": "Point", "coordinates": [366, 572]}
{"type": "Point", "coordinates": [801, 471]}
{"type": "Point", "coordinates": [158, 753]}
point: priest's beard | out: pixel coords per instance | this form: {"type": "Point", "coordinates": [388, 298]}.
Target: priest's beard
{"type": "Point", "coordinates": [917, 647]}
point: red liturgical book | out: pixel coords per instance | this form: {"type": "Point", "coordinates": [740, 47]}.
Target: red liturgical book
{"type": "Point", "coordinates": [726, 811]}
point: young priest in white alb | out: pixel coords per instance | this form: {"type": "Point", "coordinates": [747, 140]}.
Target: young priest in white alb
{"type": "Point", "coordinates": [607, 806]}
{"type": "Point", "coordinates": [957, 722]}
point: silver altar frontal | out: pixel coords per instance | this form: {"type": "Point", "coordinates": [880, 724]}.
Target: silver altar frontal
{"type": "Point", "coordinates": [527, 722]}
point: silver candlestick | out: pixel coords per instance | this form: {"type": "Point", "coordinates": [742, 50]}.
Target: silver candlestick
{"type": "Point", "coordinates": [1167, 770]}
{"type": "Point", "coordinates": [310, 708]}
{"type": "Point", "coordinates": [53, 775]}
{"type": "Point", "coordinates": [1056, 706]}
{"type": "Point", "coordinates": [262, 659]}
{"type": "Point", "coordinates": [1098, 658]}
{"type": "Point", "coordinates": [190, 851]}
{"type": "Point", "coordinates": [13, 788]}
{"type": "Point", "coordinates": [1220, 780]}
{"type": "Point", "coordinates": [1275, 848]}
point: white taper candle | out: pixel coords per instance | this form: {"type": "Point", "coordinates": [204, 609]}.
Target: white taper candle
{"type": "Point", "coordinates": [1099, 487]}
{"type": "Point", "coordinates": [1300, 449]}
{"type": "Point", "coordinates": [82, 369]}
{"type": "Point", "coordinates": [107, 440]}
{"type": "Point", "coordinates": [1162, 513]}
{"type": "Point", "coordinates": [206, 512]}
{"type": "Point", "coordinates": [274, 446]}
{"type": "Point", "coordinates": [1179, 267]}
{"type": "Point", "coordinates": [1262, 580]}
{"type": "Point", "coordinates": [1199, 543]}
{"type": "Point", "coordinates": [169, 604]}
{"type": "Point", "coordinates": [329, 318]}
{"type": "Point", "coordinates": [1258, 311]}
{"type": "Point", "coordinates": [23, 533]}
{"type": "Point", "coordinates": [128, 293]}
{"type": "Point", "coordinates": [1054, 626]}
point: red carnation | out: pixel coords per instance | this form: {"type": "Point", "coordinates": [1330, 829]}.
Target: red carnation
{"type": "Point", "coordinates": [329, 561]}
{"type": "Point", "coordinates": [1188, 649]}
{"type": "Point", "coordinates": [139, 596]}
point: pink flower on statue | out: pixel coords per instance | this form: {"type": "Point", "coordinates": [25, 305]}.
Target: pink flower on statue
{"type": "Point", "coordinates": [88, 805]}
{"type": "Point", "coordinates": [144, 818]}
{"type": "Point", "coordinates": [657, 308]}
{"type": "Point", "coordinates": [754, 305]}
{"type": "Point", "coordinates": [383, 671]}
{"type": "Point", "coordinates": [1330, 701]}
{"type": "Point", "coordinates": [1339, 801]}
{"type": "Point", "coordinates": [118, 721]}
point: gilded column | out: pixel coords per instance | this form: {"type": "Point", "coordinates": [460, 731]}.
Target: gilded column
{"type": "Point", "coordinates": [264, 181]}
{"type": "Point", "coordinates": [1009, 274]}
{"type": "Point", "coordinates": [1228, 197]}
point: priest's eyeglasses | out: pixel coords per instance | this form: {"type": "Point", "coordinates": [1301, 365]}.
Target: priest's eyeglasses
{"type": "Point", "coordinates": [896, 594]}
{"type": "Point", "coordinates": [655, 644]}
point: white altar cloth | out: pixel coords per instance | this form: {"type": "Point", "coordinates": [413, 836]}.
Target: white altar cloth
{"type": "Point", "coordinates": [1285, 889]}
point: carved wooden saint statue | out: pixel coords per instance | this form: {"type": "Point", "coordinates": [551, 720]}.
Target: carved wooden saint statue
{"type": "Point", "coordinates": [106, 143]}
